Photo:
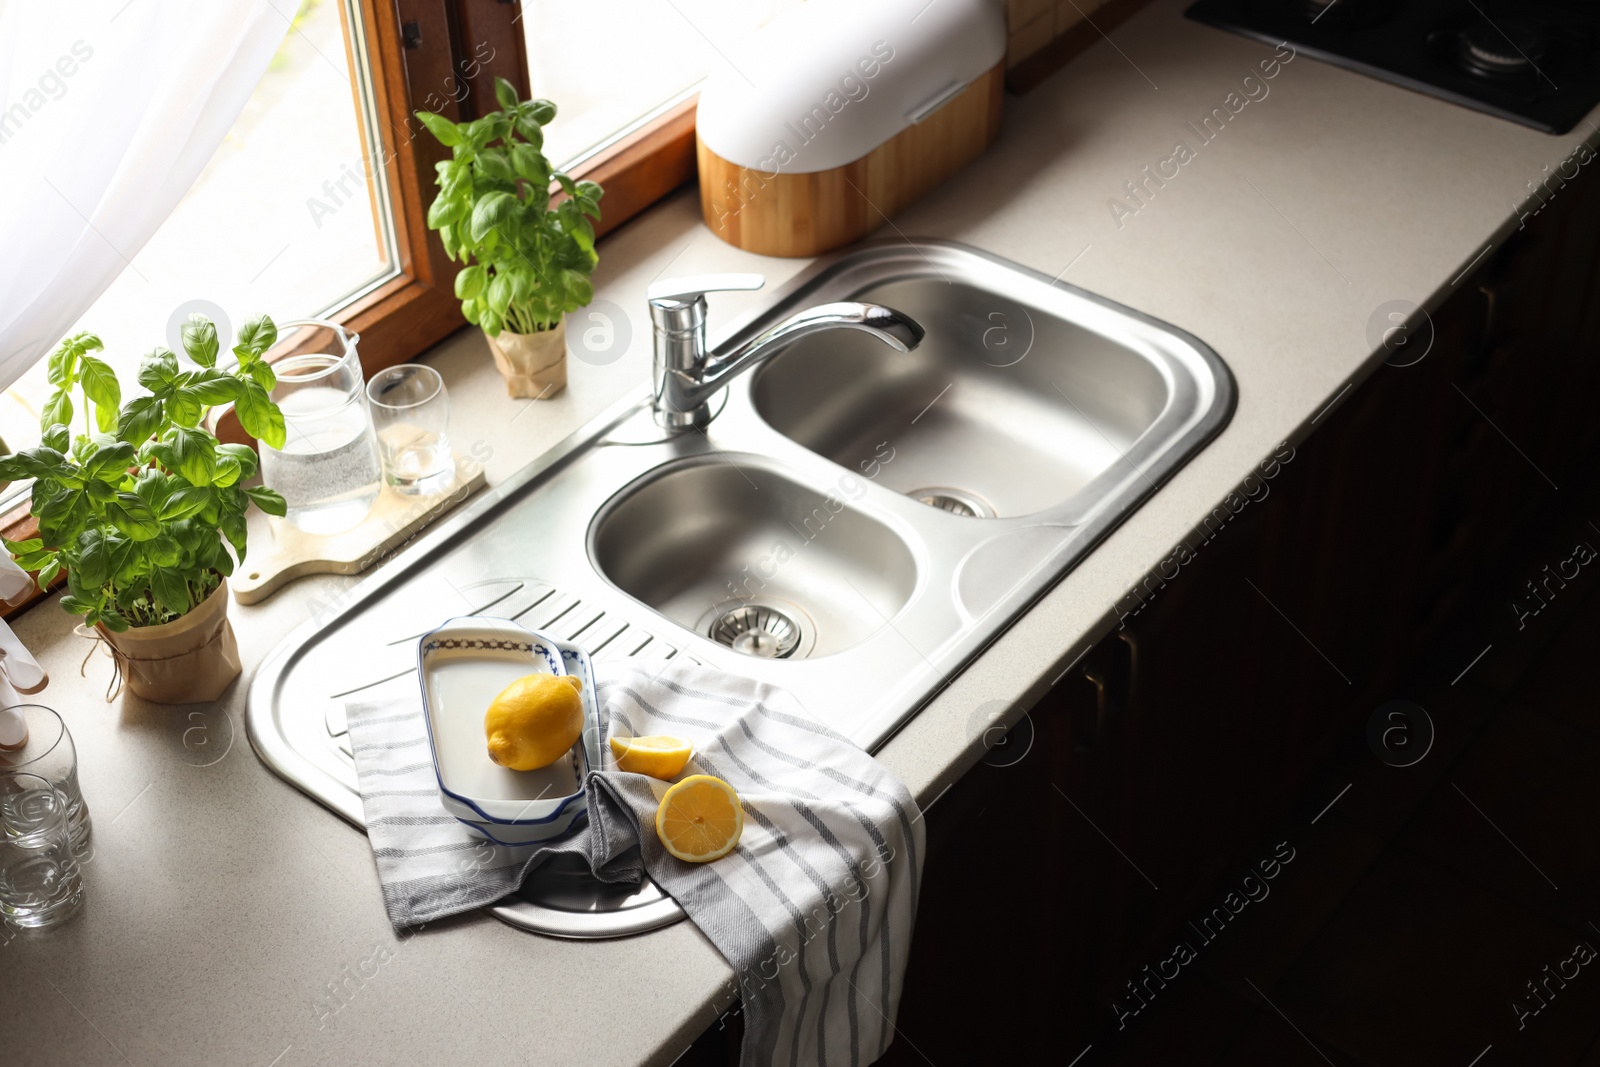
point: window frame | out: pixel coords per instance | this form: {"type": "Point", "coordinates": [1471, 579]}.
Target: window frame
{"type": "Point", "coordinates": [430, 55]}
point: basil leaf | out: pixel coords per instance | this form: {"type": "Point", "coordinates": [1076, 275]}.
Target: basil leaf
{"type": "Point", "coordinates": [139, 419]}
{"type": "Point", "coordinates": [57, 437]}
{"type": "Point", "coordinates": [184, 502]}
{"type": "Point", "coordinates": [171, 590]}
{"type": "Point", "coordinates": [246, 456]}
{"type": "Point", "coordinates": [110, 463]}
{"type": "Point", "coordinates": [184, 408]}
{"type": "Point", "coordinates": [492, 211]}
{"type": "Point", "coordinates": [257, 335]}
{"type": "Point", "coordinates": [505, 93]}
{"type": "Point", "coordinates": [57, 410]}
{"type": "Point", "coordinates": [101, 387]}
{"type": "Point", "coordinates": [259, 416]}
{"type": "Point", "coordinates": [92, 564]}
{"type": "Point", "coordinates": [444, 131]}
{"type": "Point", "coordinates": [267, 500]}
{"type": "Point", "coordinates": [194, 454]}
{"type": "Point", "coordinates": [158, 371]}
{"type": "Point", "coordinates": [200, 340]}
{"type": "Point", "coordinates": [130, 514]}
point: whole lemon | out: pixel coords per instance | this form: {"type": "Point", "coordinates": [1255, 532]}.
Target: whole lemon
{"type": "Point", "coordinates": [534, 721]}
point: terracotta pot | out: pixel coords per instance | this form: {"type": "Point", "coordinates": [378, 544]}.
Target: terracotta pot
{"type": "Point", "coordinates": [190, 659]}
{"type": "Point", "coordinates": [534, 365]}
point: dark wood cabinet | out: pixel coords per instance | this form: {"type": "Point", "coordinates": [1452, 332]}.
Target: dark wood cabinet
{"type": "Point", "coordinates": [1162, 765]}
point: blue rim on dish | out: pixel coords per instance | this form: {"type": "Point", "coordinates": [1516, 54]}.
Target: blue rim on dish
{"type": "Point", "coordinates": [541, 645]}
{"type": "Point", "coordinates": [578, 819]}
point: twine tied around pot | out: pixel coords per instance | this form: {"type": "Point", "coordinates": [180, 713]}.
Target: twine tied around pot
{"type": "Point", "coordinates": [191, 659]}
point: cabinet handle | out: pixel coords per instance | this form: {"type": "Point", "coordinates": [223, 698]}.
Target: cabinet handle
{"type": "Point", "coordinates": [1111, 669]}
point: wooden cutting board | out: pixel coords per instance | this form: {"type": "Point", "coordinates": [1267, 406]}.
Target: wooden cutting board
{"type": "Point", "coordinates": [395, 519]}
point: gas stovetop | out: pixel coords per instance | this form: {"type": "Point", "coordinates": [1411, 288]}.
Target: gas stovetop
{"type": "Point", "coordinates": [1536, 62]}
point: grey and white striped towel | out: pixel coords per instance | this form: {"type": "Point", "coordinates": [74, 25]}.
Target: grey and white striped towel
{"type": "Point", "coordinates": [813, 910]}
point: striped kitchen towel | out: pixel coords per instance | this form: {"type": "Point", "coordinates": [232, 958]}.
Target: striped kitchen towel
{"type": "Point", "coordinates": [814, 909]}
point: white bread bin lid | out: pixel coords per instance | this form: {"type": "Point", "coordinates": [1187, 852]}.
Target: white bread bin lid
{"type": "Point", "coordinates": [795, 95]}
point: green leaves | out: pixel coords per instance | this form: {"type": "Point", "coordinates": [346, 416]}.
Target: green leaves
{"type": "Point", "coordinates": [444, 131]}
{"type": "Point", "coordinates": [63, 366]}
{"type": "Point", "coordinates": [158, 372]}
{"type": "Point", "coordinates": [141, 515]}
{"type": "Point", "coordinates": [100, 387]}
{"type": "Point", "coordinates": [526, 263]}
{"type": "Point", "coordinates": [191, 453]}
{"type": "Point", "coordinates": [140, 419]}
{"type": "Point", "coordinates": [255, 337]}
{"type": "Point", "coordinates": [267, 500]}
{"type": "Point", "coordinates": [109, 463]}
{"type": "Point", "coordinates": [200, 340]}
{"type": "Point", "coordinates": [505, 93]}
{"type": "Point", "coordinates": [57, 410]}
{"type": "Point", "coordinates": [133, 517]}
{"type": "Point", "coordinates": [494, 210]}
{"type": "Point", "coordinates": [470, 282]}
{"type": "Point", "coordinates": [259, 416]}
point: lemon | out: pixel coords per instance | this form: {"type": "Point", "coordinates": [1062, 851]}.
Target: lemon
{"type": "Point", "coordinates": [700, 819]}
{"type": "Point", "coordinates": [534, 721]}
{"type": "Point", "coordinates": [657, 755]}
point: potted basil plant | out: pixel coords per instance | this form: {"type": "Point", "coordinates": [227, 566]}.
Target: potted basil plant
{"type": "Point", "coordinates": [526, 264]}
{"type": "Point", "coordinates": [140, 507]}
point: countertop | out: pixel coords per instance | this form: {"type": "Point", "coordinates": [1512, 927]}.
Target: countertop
{"type": "Point", "coordinates": [230, 919]}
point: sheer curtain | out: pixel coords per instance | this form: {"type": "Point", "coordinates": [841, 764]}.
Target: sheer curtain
{"type": "Point", "coordinates": [108, 112]}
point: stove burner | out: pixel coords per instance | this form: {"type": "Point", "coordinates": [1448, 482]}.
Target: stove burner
{"type": "Point", "coordinates": [1506, 49]}
{"type": "Point", "coordinates": [1536, 62]}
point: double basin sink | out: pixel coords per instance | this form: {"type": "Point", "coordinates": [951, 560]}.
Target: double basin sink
{"type": "Point", "coordinates": [855, 524]}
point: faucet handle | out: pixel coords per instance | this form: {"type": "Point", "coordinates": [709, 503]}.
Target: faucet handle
{"type": "Point", "coordinates": [678, 291]}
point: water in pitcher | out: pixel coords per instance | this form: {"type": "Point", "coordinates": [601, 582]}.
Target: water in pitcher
{"type": "Point", "coordinates": [328, 468]}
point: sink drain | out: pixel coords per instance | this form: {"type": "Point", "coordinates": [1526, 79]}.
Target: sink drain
{"type": "Point", "coordinates": [758, 628]}
{"type": "Point", "coordinates": [955, 501]}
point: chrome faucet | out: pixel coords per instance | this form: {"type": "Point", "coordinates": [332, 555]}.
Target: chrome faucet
{"type": "Point", "coordinates": [685, 375]}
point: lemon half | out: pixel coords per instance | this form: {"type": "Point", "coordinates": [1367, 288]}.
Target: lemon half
{"type": "Point", "coordinates": [700, 819]}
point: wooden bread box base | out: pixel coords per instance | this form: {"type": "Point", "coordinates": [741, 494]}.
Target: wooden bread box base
{"type": "Point", "coordinates": [804, 214]}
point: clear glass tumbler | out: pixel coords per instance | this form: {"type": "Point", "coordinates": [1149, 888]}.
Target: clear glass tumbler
{"type": "Point", "coordinates": [50, 753]}
{"type": "Point", "coordinates": [411, 413]}
{"type": "Point", "coordinates": [40, 884]}
{"type": "Point", "coordinates": [328, 469]}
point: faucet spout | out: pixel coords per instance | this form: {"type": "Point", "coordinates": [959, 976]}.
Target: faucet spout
{"type": "Point", "coordinates": [687, 375]}
{"type": "Point", "coordinates": [897, 330]}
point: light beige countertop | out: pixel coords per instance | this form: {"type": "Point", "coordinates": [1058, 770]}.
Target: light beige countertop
{"type": "Point", "coordinates": [231, 919]}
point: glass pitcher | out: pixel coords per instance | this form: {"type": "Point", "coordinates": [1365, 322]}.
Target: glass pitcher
{"type": "Point", "coordinates": [327, 470]}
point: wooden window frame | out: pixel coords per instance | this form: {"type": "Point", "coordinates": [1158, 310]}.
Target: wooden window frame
{"type": "Point", "coordinates": [443, 55]}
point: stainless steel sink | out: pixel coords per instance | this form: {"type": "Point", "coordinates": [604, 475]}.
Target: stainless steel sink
{"type": "Point", "coordinates": [855, 524]}
{"type": "Point", "coordinates": [731, 548]}
{"type": "Point", "coordinates": [1016, 408]}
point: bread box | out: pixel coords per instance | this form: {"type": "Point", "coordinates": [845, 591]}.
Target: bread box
{"type": "Point", "coordinates": [822, 124]}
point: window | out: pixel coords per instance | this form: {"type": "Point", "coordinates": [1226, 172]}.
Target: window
{"type": "Point", "coordinates": [279, 222]}
{"type": "Point", "coordinates": [656, 53]}
{"type": "Point", "coordinates": [285, 218]}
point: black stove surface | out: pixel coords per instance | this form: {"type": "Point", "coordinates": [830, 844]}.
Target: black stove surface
{"type": "Point", "coordinates": [1536, 62]}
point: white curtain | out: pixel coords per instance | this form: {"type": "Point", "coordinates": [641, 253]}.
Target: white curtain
{"type": "Point", "coordinates": [108, 112]}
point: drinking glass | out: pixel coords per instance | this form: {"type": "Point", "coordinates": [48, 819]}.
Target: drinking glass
{"type": "Point", "coordinates": [40, 884]}
{"type": "Point", "coordinates": [411, 413]}
{"type": "Point", "coordinates": [327, 470]}
{"type": "Point", "coordinates": [50, 753]}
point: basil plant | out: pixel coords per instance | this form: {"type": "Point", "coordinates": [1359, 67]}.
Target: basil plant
{"type": "Point", "coordinates": [138, 508]}
{"type": "Point", "coordinates": [529, 264]}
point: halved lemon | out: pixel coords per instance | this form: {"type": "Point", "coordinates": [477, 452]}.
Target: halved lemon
{"type": "Point", "coordinates": [657, 755]}
{"type": "Point", "coordinates": [700, 819]}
